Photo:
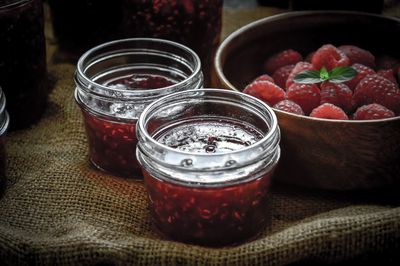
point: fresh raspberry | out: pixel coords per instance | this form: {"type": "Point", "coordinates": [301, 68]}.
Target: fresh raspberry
{"type": "Point", "coordinates": [329, 111]}
{"type": "Point", "coordinates": [372, 111]}
{"type": "Point", "coordinates": [299, 67]}
{"type": "Point", "coordinates": [358, 55]}
{"type": "Point", "coordinates": [377, 89]}
{"type": "Point", "coordinates": [284, 58]}
{"type": "Point", "coordinates": [362, 71]}
{"type": "Point", "coordinates": [281, 75]}
{"type": "Point", "coordinates": [389, 74]}
{"type": "Point", "coordinates": [289, 106]}
{"type": "Point", "coordinates": [264, 77]}
{"type": "Point", "coordinates": [265, 91]}
{"type": "Point", "coordinates": [338, 94]}
{"type": "Point", "coordinates": [387, 62]}
{"type": "Point", "coordinates": [329, 56]}
{"type": "Point", "coordinates": [398, 74]}
{"type": "Point", "coordinates": [306, 95]}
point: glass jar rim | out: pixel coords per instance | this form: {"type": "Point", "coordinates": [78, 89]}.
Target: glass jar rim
{"type": "Point", "coordinates": [11, 4]}
{"type": "Point", "coordinates": [4, 117]}
{"type": "Point", "coordinates": [4, 123]}
{"type": "Point", "coordinates": [2, 101]}
{"type": "Point", "coordinates": [81, 77]}
{"type": "Point", "coordinates": [257, 149]}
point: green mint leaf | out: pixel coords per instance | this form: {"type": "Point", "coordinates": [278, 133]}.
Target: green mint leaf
{"type": "Point", "coordinates": [336, 75]}
{"type": "Point", "coordinates": [324, 74]}
{"type": "Point", "coordinates": [342, 74]}
{"type": "Point", "coordinates": [308, 77]}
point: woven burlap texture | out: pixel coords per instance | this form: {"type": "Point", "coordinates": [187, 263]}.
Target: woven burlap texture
{"type": "Point", "coordinates": [58, 210]}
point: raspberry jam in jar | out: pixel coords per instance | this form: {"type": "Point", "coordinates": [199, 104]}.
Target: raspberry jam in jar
{"type": "Point", "coordinates": [194, 23]}
{"type": "Point", "coordinates": [208, 157]}
{"type": "Point", "coordinates": [4, 122]}
{"type": "Point", "coordinates": [116, 81]}
{"type": "Point", "coordinates": [23, 60]}
{"type": "Point", "coordinates": [82, 24]}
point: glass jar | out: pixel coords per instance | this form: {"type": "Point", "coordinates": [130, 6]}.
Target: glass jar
{"type": "Point", "coordinates": [373, 6]}
{"type": "Point", "coordinates": [23, 60]}
{"type": "Point", "coordinates": [116, 81]}
{"type": "Point", "coordinates": [208, 157]}
{"type": "Point", "coordinates": [194, 23]}
{"type": "Point", "coordinates": [4, 122]}
{"type": "Point", "coordinates": [80, 25]}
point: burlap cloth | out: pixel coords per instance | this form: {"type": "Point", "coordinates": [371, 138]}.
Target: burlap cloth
{"type": "Point", "coordinates": [57, 209]}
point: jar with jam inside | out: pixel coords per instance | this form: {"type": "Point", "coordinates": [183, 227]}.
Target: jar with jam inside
{"type": "Point", "coordinates": [80, 25]}
{"type": "Point", "coordinates": [116, 81]}
{"type": "Point", "coordinates": [208, 157]}
{"type": "Point", "coordinates": [372, 6]}
{"type": "Point", "coordinates": [4, 122]}
{"type": "Point", "coordinates": [23, 60]}
{"type": "Point", "coordinates": [194, 23]}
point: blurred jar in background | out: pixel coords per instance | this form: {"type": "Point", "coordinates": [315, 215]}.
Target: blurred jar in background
{"type": "Point", "coordinates": [372, 6]}
{"type": "Point", "coordinates": [194, 23]}
{"type": "Point", "coordinates": [82, 24]}
{"type": "Point", "coordinates": [274, 3]}
{"type": "Point", "coordinates": [23, 60]}
{"type": "Point", "coordinates": [4, 122]}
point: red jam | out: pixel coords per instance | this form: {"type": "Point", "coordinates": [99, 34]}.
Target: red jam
{"type": "Point", "coordinates": [141, 81]}
{"type": "Point", "coordinates": [212, 215]}
{"type": "Point", "coordinates": [112, 144]}
{"type": "Point", "coordinates": [208, 135]}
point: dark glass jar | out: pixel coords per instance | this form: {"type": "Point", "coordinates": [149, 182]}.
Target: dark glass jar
{"type": "Point", "coordinates": [208, 157]}
{"type": "Point", "coordinates": [4, 122]}
{"type": "Point", "coordinates": [23, 60]}
{"type": "Point", "coordinates": [82, 24]}
{"type": "Point", "coordinates": [115, 82]}
{"type": "Point", "coordinates": [275, 3]}
{"type": "Point", "coordinates": [194, 23]}
{"type": "Point", "coordinates": [372, 6]}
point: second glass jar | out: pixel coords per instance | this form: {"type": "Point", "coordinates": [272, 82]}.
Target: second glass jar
{"type": "Point", "coordinates": [116, 81]}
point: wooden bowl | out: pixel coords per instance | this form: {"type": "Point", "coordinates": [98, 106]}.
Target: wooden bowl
{"type": "Point", "coordinates": [321, 153]}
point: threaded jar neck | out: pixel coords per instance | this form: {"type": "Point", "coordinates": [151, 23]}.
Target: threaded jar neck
{"type": "Point", "coordinates": [4, 118]}
{"type": "Point", "coordinates": [138, 55]}
{"type": "Point", "coordinates": [204, 169]}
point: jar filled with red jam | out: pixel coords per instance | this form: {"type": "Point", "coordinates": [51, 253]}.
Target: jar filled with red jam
{"type": "Point", "coordinates": [4, 122]}
{"type": "Point", "coordinates": [208, 157]}
{"type": "Point", "coordinates": [23, 60]}
{"type": "Point", "coordinates": [194, 23]}
{"type": "Point", "coordinates": [116, 81]}
{"type": "Point", "coordinates": [80, 25]}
